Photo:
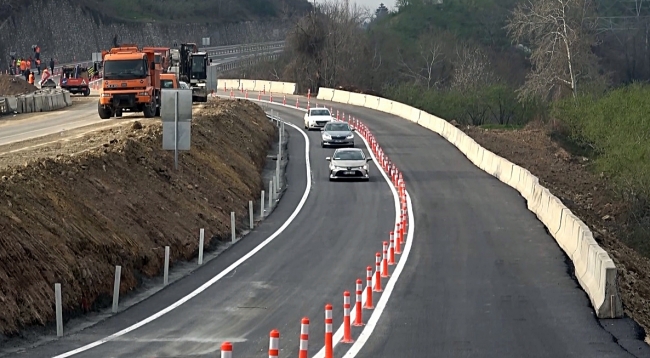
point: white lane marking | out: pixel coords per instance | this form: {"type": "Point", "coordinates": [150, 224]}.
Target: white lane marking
{"type": "Point", "coordinates": [215, 278]}
{"type": "Point", "coordinates": [390, 286]}
{"type": "Point", "coordinates": [381, 305]}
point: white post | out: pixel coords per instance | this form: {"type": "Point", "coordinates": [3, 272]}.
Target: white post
{"type": "Point", "coordinates": [280, 146]}
{"type": "Point", "coordinates": [270, 194]}
{"type": "Point", "coordinates": [275, 186]}
{"type": "Point", "coordinates": [277, 175]}
{"type": "Point", "coordinates": [262, 205]}
{"type": "Point", "coordinates": [166, 274]}
{"type": "Point", "coordinates": [232, 226]}
{"type": "Point", "coordinates": [59, 309]}
{"type": "Point", "coordinates": [116, 288]}
{"type": "Point", "coordinates": [251, 217]}
{"type": "Point", "coordinates": [201, 241]}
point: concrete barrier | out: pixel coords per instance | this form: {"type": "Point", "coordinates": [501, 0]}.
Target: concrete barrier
{"type": "Point", "coordinates": [325, 94]}
{"type": "Point", "coordinates": [256, 86]}
{"type": "Point", "coordinates": [594, 269]}
{"type": "Point", "coordinates": [357, 99]}
{"type": "Point", "coordinates": [39, 101]}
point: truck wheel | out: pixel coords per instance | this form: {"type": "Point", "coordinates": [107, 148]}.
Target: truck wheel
{"type": "Point", "coordinates": [157, 111]}
{"type": "Point", "coordinates": [87, 92]}
{"type": "Point", "coordinates": [118, 113]}
{"type": "Point", "coordinates": [149, 111]}
{"type": "Point", "coordinates": [104, 113]}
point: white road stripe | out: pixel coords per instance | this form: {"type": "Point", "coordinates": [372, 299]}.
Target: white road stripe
{"type": "Point", "coordinates": [215, 278]}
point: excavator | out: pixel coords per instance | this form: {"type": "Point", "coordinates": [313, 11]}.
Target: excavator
{"type": "Point", "coordinates": [131, 82]}
{"type": "Point", "coordinates": [193, 69]}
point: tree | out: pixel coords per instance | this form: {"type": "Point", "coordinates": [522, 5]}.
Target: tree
{"type": "Point", "coordinates": [426, 65]}
{"type": "Point", "coordinates": [560, 36]}
{"type": "Point", "coordinates": [471, 68]}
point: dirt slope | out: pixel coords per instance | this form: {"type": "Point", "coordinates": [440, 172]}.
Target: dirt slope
{"type": "Point", "coordinates": [586, 194]}
{"type": "Point", "coordinates": [71, 218]}
{"type": "Point", "coordinates": [12, 86]}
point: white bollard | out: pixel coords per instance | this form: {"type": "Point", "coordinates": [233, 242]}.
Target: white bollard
{"type": "Point", "coordinates": [116, 288]}
{"type": "Point", "coordinates": [59, 309]}
{"type": "Point", "coordinates": [277, 175]}
{"type": "Point", "coordinates": [275, 187]}
{"type": "Point", "coordinates": [270, 194]}
{"type": "Point", "coordinates": [262, 205]}
{"type": "Point", "coordinates": [232, 226]}
{"type": "Point", "coordinates": [251, 217]}
{"type": "Point", "coordinates": [201, 242]}
{"type": "Point", "coordinates": [166, 272]}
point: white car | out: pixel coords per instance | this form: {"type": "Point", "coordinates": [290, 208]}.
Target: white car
{"type": "Point", "coordinates": [317, 118]}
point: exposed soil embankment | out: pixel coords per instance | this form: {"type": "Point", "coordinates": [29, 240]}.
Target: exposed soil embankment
{"type": "Point", "coordinates": [72, 218]}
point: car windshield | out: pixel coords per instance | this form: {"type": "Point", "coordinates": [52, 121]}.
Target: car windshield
{"type": "Point", "coordinates": [124, 69]}
{"type": "Point", "coordinates": [320, 112]}
{"type": "Point", "coordinates": [198, 67]}
{"type": "Point", "coordinates": [167, 83]}
{"type": "Point", "coordinates": [337, 127]}
{"type": "Point", "coordinates": [349, 155]}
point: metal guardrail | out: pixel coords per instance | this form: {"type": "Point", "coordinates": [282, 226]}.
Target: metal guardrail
{"type": "Point", "coordinates": [246, 61]}
{"type": "Point", "coordinates": [3, 105]}
{"type": "Point", "coordinates": [246, 48]}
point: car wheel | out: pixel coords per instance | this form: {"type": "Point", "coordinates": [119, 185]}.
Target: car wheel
{"type": "Point", "coordinates": [322, 145]}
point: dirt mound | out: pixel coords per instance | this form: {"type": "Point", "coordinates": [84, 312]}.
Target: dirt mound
{"type": "Point", "coordinates": [70, 219]}
{"type": "Point", "coordinates": [588, 195]}
{"type": "Point", "coordinates": [13, 86]}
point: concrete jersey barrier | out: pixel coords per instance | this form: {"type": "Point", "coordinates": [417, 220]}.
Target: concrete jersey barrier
{"type": "Point", "coordinates": [39, 101]}
{"type": "Point", "coordinates": [594, 268]}
{"type": "Point", "coordinates": [256, 86]}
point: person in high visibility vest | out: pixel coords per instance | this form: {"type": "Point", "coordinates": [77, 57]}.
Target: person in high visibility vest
{"type": "Point", "coordinates": [46, 74]}
{"type": "Point", "coordinates": [31, 78]}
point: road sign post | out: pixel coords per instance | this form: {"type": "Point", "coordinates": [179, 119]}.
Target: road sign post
{"type": "Point", "coordinates": [176, 114]}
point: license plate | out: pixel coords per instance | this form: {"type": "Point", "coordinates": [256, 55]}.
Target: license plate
{"type": "Point", "coordinates": [338, 141]}
{"type": "Point", "coordinates": [349, 173]}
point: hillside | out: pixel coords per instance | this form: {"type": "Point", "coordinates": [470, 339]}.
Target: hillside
{"type": "Point", "coordinates": [68, 30]}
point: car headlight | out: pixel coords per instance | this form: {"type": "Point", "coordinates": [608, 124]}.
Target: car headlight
{"type": "Point", "coordinates": [327, 136]}
{"type": "Point", "coordinates": [350, 136]}
{"type": "Point", "coordinates": [143, 94]}
{"type": "Point", "coordinates": [365, 167]}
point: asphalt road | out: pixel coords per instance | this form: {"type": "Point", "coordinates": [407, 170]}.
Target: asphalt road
{"type": "Point", "coordinates": [484, 278]}
{"type": "Point", "coordinates": [319, 255]}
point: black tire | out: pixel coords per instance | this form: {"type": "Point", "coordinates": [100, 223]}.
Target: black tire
{"type": "Point", "coordinates": [322, 145]}
{"type": "Point", "coordinates": [157, 111]}
{"type": "Point", "coordinates": [118, 113]}
{"type": "Point", "coordinates": [149, 111]}
{"type": "Point", "coordinates": [87, 92]}
{"type": "Point", "coordinates": [104, 113]}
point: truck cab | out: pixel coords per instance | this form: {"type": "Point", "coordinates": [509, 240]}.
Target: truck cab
{"type": "Point", "coordinates": [168, 81]}
{"type": "Point", "coordinates": [131, 83]}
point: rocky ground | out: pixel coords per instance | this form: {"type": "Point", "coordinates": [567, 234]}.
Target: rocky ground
{"type": "Point", "coordinates": [112, 197]}
{"type": "Point", "coordinates": [13, 86]}
{"type": "Point", "coordinates": [586, 193]}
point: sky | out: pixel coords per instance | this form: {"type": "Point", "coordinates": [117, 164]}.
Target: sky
{"type": "Point", "coordinates": [374, 4]}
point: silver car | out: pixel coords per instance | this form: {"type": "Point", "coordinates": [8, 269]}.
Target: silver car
{"type": "Point", "coordinates": [349, 163]}
{"type": "Point", "coordinates": [337, 134]}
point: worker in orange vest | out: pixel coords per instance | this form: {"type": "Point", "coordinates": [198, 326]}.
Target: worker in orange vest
{"type": "Point", "coordinates": [31, 78]}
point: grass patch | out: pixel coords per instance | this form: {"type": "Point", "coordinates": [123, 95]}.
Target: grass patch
{"type": "Point", "coordinates": [615, 131]}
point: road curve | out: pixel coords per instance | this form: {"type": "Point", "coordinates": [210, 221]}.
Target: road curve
{"type": "Point", "coordinates": [485, 278]}
{"type": "Point", "coordinates": [311, 263]}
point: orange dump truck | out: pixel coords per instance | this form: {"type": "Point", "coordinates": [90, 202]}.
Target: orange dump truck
{"type": "Point", "coordinates": [131, 82]}
{"type": "Point", "coordinates": [163, 56]}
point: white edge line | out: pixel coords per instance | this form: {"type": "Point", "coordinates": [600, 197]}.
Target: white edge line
{"type": "Point", "coordinates": [216, 278]}
{"type": "Point", "coordinates": [385, 295]}
{"type": "Point", "coordinates": [383, 300]}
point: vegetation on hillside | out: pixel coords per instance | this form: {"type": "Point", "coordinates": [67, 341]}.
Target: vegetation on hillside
{"type": "Point", "coordinates": [503, 62]}
{"type": "Point", "coordinates": [184, 11]}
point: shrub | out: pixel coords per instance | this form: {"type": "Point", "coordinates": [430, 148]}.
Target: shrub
{"type": "Point", "coordinates": [495, 104]}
